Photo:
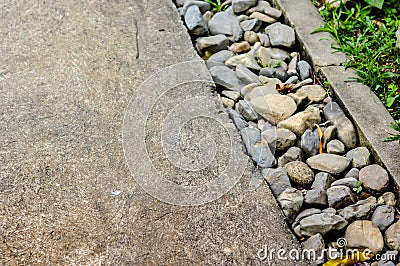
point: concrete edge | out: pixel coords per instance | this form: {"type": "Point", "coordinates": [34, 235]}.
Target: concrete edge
{"type": "Point", "coordinates": [363, 107]}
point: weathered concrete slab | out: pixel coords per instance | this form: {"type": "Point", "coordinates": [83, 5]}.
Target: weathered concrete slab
{"type": "Point", "coordinates": [68, 72]}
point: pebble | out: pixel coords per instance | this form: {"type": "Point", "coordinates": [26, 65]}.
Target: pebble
{"type": "Point", "coordinates": [260, 91]}
{"type": "Point", "coordinates": [251, 37]}
{"type": "Point", "coordinates": [195, 22]}
{"type": "Point", "coordinates": [240, 47]}
{"type": "Point", "coordinates": [316, 198]}
{"type": "Point", "coordinates": [272, 12]}
{"type": "Point", "coordinates": [292, 68]}
{"type": "Point", "coordinates": [322, 181]}
{"type": "Point", "coordinates": [251, 24]}
{"type": "Point", "coordinates": [315, 93]}
{"type": "Point", "coordinates": [316, 244]}
{"type": "Point", "coordinates": [227, 102]}
{"type": "Point", "coordinates": [290, 201]}
{"type": "Point", "coordinates": [245, 74]}
{"type": "Point", "coordinates": [237, 119]}
{"type": "Point", "coordinates": [263, 57]}
{"type": "Point", "coordinates": [392, 236]}
{"type": "Point", "coordinates": [243, 59]}
{"type": "Point", "coordinates": [264, 39]}
{"type": "Point", "coordinates": [207, 16]}
{"type": "Point", "coordinates": [227, 24]}
{"type": "Point", "coordinates": [202, 5]}
{"type": "Point", "coordinates": [274, 107]}
{"type": "Point", "coordinates": [305, 70]}
{"type": "Point", "coordinates": [280, 35]}
{"type": "Point", "coordinates": [219, 58]}
{"type": "Point", "coordinates": [354, 172]}
{"type": "Point", "coordinates": [240, 6]}
{"type": "Point", "coordinates": [361, 210]}
{"type": "Point", "coordinates": [310, 142]}
{"type": "Point", "coordinates": [330, 163]}
{"type": "Point", "coordinates": [336, 147]}
{"type": "Point", "coordinates": [364, 234]}
{"type": "Point", "coordinates": [388, 198]}
{"type": "Point", "coordinates": [212, 44]}
{"type": "Point", "coordinates": [277, 179]}
{"type": "Point", "coordinates": [279, 138]}
{"type": "Point", "coordinates": [263, 156]}
{"type": "Point", "coordinates": [279, 54]}
{"type": "Point", "coordinates": [329, 134]}
{"type": "Point", "coordinates": [360, 157]}
{"type": "Point", "coordinates": [303, 214]}
{"type": "Point", "coordinates": [250, 136]}
{"type": "Point", "coordinates": [259, 7]}
{"type": "Point", "coordinates": [350, 182]}
{"type": "Point", "coordinates": [374, 178]}
{"type": "Point", "coordinates": [246, 110]}
{"type": "Point", "coordinates": [383, 216]}
{"type": "Point", "coordinates": [226, 77]}
{"type": "Point", "coordinates": [233, 95]}
{"type": "Point", "coordinates": [339, 197]}
{"type": "Point", "coordinates": [301, 121]}
{"type": "Point", "coordinates": [299, 173]}
{"type": "Point", "coordinates": [292, 154]}
{"type": "Point", "coordinates": [262, 17]}
{"type": "Point", "coordinates": [322, 223]}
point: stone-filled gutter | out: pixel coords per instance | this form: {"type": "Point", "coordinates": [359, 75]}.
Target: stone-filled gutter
{"type": "Point", "coordinates": [361, 105]}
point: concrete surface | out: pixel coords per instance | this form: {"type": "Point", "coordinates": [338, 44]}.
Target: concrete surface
{"type": "Point", "coordinates": [68, 70]}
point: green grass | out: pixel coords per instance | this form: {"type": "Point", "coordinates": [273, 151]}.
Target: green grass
{"type": "Point", "coordinates": [367, 35]}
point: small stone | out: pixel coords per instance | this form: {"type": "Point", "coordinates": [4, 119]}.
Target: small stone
{"type": "Point", "coordinates": [290, 201]}
{"type": "Point", "coordinates": [316, 198]}
{"type": "Point", "coordinates": [383, 217]}
{"type": "Point", "coordinates": [374, 178]}
{"type": "Point", "coordinates": [259, 7]}
{"type": "Point", "coordinates": [279, 73]}
{"type": "Point", "coordinates": [240, 47]}
{"type": "Point", "coordinates": [237, 119]}
{"type": "Point", "coordinates": [330, 211]}
{"type": "Point", "coordinates": [233, 95]}
{"type": "Point", "coordinates": [219, 58]}
{"type": "Point", "coordinates": [303, 214]}
{"type": "Point", "coordinates": [350, 182]}
{"type": "Point", "coordinates": [207, 16]}
{"type": "Point", "coordinates": [281, 35]}
{"type": "Point", "coordinates": [226, 77]}
{"type": "Point", "coordinates": [299, 173]}
{"type": "Point", "coordinates": [299, 97]}
{"type": "Point", "coordinates": [264, 39]}
{"type": "Point", "coordinates": [272, 12]}
{"type": "Point", "coordinates": [263, 56]}
{"type": "Point", "coordinates": [277, 179]}
{"type": "Point", "coordinates": [362, 210]}
{"type": "Point", "coordinates": [263, 156]}
{"type": "Point", "coordinates": [339, 197]}
{"type": "Point", "coordinates": [245, 60]}
{"type": "Point", "coordinates": [203, 6]}
{"type": "Point", "coordinates": [322, 181]}
{"type": "Point", "coordinates": [262, 17]}
{"type": "Point", "coordinates": [274, 107]}
{"type": "Point", "coordinates": [278, 54]}
{"type": "Point", "coordinates": [260, 91]}
{"type": "Point", "coordinates": [269, 81]}
{"type": "Point", "coordinates": [314, 93]}
{"type": "Point", "coordinates": [227, 102]}
{"type": "Point", "coordinates": [195, 22]}
{"type": "Point", "coordinates": [364, 234]}
{"type": "Point", "coordinates": [310, 142]}
{"type": "Point", "coordinates": [212, 44]}
{"type": "Point", "coordinates": [248, 88]}
{"type": "Point", "coordinates": [246, 110]}
{"type": "Point", "coordinates": [240, 6]}
{"type": "Point", "coordinates": [329, 134]}
{"type": "Point", "coordinates": [227, 24]}
{"type": "Point", "coordinates": [392, 236]}
{"type": "Point", "coordinates": [330, 163]}
{"type": "Point", "coordinates": [388, 198]}
{"type": "Point", "coordinates": [317, 244]}
{"type": "Point", "coordinates": [279, 138]}
{"type": "Point", "coordinates": [360, 157]}
{"type": "Point", "coordinates": [354, 172]}
{"type": "Point", "coordinates": [345, 129]}
{"type": "Point", "coordinates": [305, 70]}
{"type": "Point", "coordinates": [251, 24]}
{"type": "Point", "coordinates": [292, 68]}
{"type": "Point", "coordinates": [250, 136]}
{"type": "Point", "coordinates": [303, 83]}
{"type": "Point", "coordinates": [322, 223]}
{"type": "Point", "coordinates": [251, 37]}
{"type": "Point", "coordinates": [246, 75]}
{"type": "Point", "coordinates": [299, 122]}
{"type": "Point", "coordinates": [292, 154]}
{"type": "Point", "coordinates": [335, 147]}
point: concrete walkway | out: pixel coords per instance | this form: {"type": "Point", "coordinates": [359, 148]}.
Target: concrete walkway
{"type": "Point", "coordinates": [68, 70]}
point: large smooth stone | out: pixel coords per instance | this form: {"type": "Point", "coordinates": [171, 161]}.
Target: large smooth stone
{"type": "Point", "coordinates": [274, 107]}
{"type": "Point", "coordinates": [281, 35]}
{"type": "Point", "coordinates": [330, 163]}
{"type": "Point", "coordinates": [374, 178]}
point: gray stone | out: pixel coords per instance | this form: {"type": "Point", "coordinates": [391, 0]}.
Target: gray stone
{"type": "Point", "coordinates": [278, 54]}
{"type": "Point", "coordinates": [388, 198]}
{"type": "Point", "coordinates": [180, 3]}
{"type": "Point", "coordinates": [262, 156]}
{"type": "Point", "coordinates": [392, 236]}
{"type": "Point", "coordinates": [240, 47]}
{"type": "Point", "coordinates": [219, 58]}
{"type": "Point", "coordinates": [272, 12]}
{"type": "Point", "coordinates": [316, 198]}
{"type": "Point", "coordinates": [360, 157]}
{"type": "Point", "coordinates": [305, 70]}
{"type": "Point", "coordinates": [246, 110]}
{"type": "Point", "coordinates": [263, 57]}
{"type": "Point", "coordinates": [260, 91]}
{"type": "Point", "coordinates": [274, 107]}
{"type": "Point", "coordinates": [262, 17]}
{"type": "Point", "coordinates": [330, 163]}
{"type": "Point", "coordinates": [292, 68]}
{"type": "Point", "coordinates": [364, 234]}
{"type": "Point", "coordinates": [248, 88]}
{"type": "Point", "coordinates": [310, 142]}
{"type": "Point", "coordinates": [277, 179]}
{"type": "Point", "coordinates": [212, 44]}
{"type": "Point", "coordinates": [229, 103]}
{"type": "Point", "coordinates": [264, 39]}
{"type": "Point", "coordinates": [339, 197]}
{"type": "Point", "coordinates": [203, 6]}
{"type": "Point", "coordinates": [330, 211]}
{"type": "Point", "coordinates": [242, 18]}
{"type": "Point", "coordinates": [317, 244]}
{"type": "Point", "coordinates": [299, 97]}
{"type": "Point", "coordinates": [299, 173]}
{"type": "Point", "coordinates": [292, 154]}
{"type": "Point", "coordinates": [322, 223]}
{"type": "Point", "coordinates": [237, 119]}
{"type": "Point", "coordinates": [233, 95]}
{"type": "Point", "coordinates": [251, 24]}
{"type": "Point", "coordinates": [315, 93]}
{"type": "Point", "coordinates": [299, 122]}
{"type": "Point", "coordinates": [303, 83]}
{"type": "Point", "coordinates": [281, 35]}
{"type": "Point", "coordinates": [243, 73]}
{"type": "Point", "coordinates": [269, 81]}
{"type": "Point", "coordinates": [290, 201]}
{"type": "Point", "coordinates": [207, 16]}
{"type": "Point", "coordinates": [345, 129]}
{"type": "Point", "coordinates": [383, 216]}
{"type": "Point", "coordinates": [350, 182]}
{"type": "Point", "coordinates": [329, 134]}
{"type": "Point", "coordinates": [227, 24]}
{"type": "Point", "coordinates": [305, 213]}
{"type": "Point", "coordinates": [251, 37]}
{"type": "Point", "coordinates": [226, 77]}
{"type": "Point", "coordinates": [243, 59]}
{"type": "Point", "coordinates": [250, 136]}
{"type": "Point", "coordinates": [259, 7]}
{"type": "Point", "coordinates": [322, 181]}
{"type": "Point", "coordinates": [354, 172]}
{"type": "Point", "coordinates": [240, 6]}
{"type": "Point", "coordinates": [362, 210]}
{"type": "Point", "coordinates": [194, 21]}
{"type": "Point", "coordinates": [279, 138]}
{"type": "Point", "coordinates": [335, 147]}
{"type": "Point", "coordinates": [278, 73]}
{"type": "Point", "coordinates": [374, 178]}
